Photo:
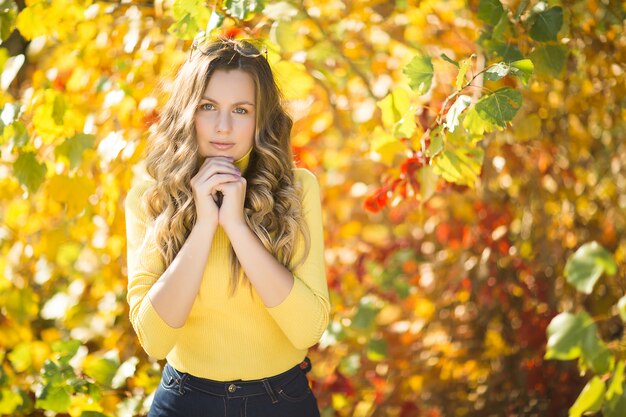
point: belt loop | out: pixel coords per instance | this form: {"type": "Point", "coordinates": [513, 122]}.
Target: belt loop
{"type": "Point", "coordinates": [270, 391]}
{"type": "Point", "coordinates": [181, 386]}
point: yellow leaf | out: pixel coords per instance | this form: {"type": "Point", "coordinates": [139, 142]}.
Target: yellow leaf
{"type": "Point", "coordinates": [416, 382]}
{"type": "Point", "coordinates": [285, 34]}
{"type": "Point", "coordinates": [363, 408]}
{"type": "Point", "coordinates": [51, 130]}
{"type": "Point", "coordinates": [293, 79]}
{"type": "Point", "coordinates": [80, 403]}
{"type": "Point", "coordinates": [50, 242]}
{"type": "Point", "coordinates": [40, 351]}
{"type": "Point", "coordinates": [72, 192]}
{"type": "Point", "coordinates": [394, 106]}
{"type": "Point", "coordinates": [463, 296]}
{"type": "Point", "coordinates": [529, 129]}
{"type": "Point", "coordinates": [31, 20]}
{"type": "Point", "coordinates": [16, 214]}
{"type": "Point", "coordinates": [339, 401]}
{"type": "Point", "coordinates": [389, 314]}
{"type": "Point", "coordinates": [495, 346]}
{"type": "Point", "coordinates": [350, 229]}
{"type": "Point", "coordinates": [375, 234]}
{"type": "Point", "coordinates": [386, 146]}
{"type": "Point", "coordinates": [424, 308]}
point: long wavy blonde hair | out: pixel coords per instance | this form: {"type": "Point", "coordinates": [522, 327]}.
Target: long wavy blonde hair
{"type": "Point", "coordinates": [273, 208]}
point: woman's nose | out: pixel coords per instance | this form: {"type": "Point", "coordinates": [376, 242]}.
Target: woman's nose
{"type": "Point", "coordinates": [223, 122]}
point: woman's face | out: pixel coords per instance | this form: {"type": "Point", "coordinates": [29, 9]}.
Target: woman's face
{"type": "Point", "coordinates": [225, 118]}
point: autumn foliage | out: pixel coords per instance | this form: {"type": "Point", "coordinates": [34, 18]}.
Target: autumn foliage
{"type": "Point", "coordinates": [472, 163]}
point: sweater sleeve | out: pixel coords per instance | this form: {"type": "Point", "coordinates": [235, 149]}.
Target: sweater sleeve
{"type": "Point", "coordinates": [144, 268]}
{"type": "Point", "coordinates": [304, 314]}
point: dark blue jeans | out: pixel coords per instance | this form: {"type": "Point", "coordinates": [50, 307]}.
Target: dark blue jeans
{"type": "Point", "coordinates": [288, 394]}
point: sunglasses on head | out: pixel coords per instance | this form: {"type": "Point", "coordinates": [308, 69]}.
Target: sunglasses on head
{"type": "Point", "coordinates": [250, 48]}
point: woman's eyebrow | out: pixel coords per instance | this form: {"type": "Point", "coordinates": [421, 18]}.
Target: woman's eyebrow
{"type": "Point", "coordinates": [234, 104]}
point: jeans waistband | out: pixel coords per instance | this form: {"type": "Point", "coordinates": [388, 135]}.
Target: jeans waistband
{"type": "Point", "coordinates": [235, 388]}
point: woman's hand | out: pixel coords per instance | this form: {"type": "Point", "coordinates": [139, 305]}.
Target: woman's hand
{"type": "Point", "coordinates": [231, 213]}
{"type": "Point", "coordinates": [211, 177]}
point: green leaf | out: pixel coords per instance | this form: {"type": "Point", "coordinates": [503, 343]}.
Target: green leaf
{"type": "Point", "coordinates": [621, 307]}
{"type": "Point", "coordinates": [490, 11]}
{"type": "Point", "coordinates": [460, 78]}
{"type": "Point", "coordinates": [58, 109]}
{"type": "Point", "coordinates": [420, 73]}
{"type": "Point", "coordinates": [572, 336]}
{"type": "Point", "coordinates": [350, 365]}
{"type": "Point", "coordinates": [508, 52]}
{"type": "Point", "coordinates": [20, 357]}
{"type": "Point", "coordinates": [394, 106]}
{"type": "Point", "coordinates": [500, 106]}
{"type": "Point", "coordinates": [616, 386]}
{"type": "Point", "coordinates": [54, 399]}
{"type": "Point", "coordinates": [520, 9]}
{"type": "Point", "coordinates": [93, 414]}
{"type": "Point", "coordinates": [20, 135]}
{"type": "Point", "coordinates": [590, 399]}
{"type": "Point", "coordinates": [503, 29]}
{"type": "Point", "coordinates": [101, 369]}
{"type": "Point", "coordinates": [406, 127]}
{"type": "Point", "coordinates": [22, 305]}
{"type": "Point", "coordinates": [51, 372]}
{"type": "Point", "coordinates": [615, 406]}
{"type": "Point", "coordinates": [546, 24]}
{"type": "Point", "coordinates": [366, 313]}
{"type": "Point", "coordinates": [436, 142]}
{"type": "Point", "coordinates": [450, 60]}
{"type": "Point", "coordinates": [586, 265]}
{"type": "Point", "coordinates": [8, 13]}
{"type": "Point", "coordinates": [185, 28]}
{"type": "Point", "coordinates": [29, 172]}
{"type": "Point", "coordinates": [454, 112]}
{"type": "Point", "coordinates": [497, 71]}
{"type": "Point", "coordinates": [238, 8]}
{"type": "Point", "coordinates": [215, 21]}
{"type": "Point", "coordinates": [595, 354]}
{"type": "Point", "coordinates": [476, 125]}
{"type": "Point", "coordinates": [461, 166]}
{"type": "Point", "coordinates": [9, 401]}
{"type": "Point", "coordinates": [72, 149]}
{"type": "Point", "coordinates": [565, 332]}
{"type": "Point", "coordinates": [377, 350]}
{"type": "Point", "coordinates": [549, 59]}
{"type": "Point", "coordinates": [190, 16]}
{"type": "Point", "coordinates": [66, 349]}
{"type": "Point", "coordinates": [428, 182]}
{"type": "Point", "coordinates": [523, 69]}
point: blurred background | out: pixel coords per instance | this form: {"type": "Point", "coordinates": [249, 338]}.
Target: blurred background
{"type": "Point", "coordinates": [472, 161]}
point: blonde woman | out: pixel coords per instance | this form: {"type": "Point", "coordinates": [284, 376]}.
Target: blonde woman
{"type": "Point", "coordinates": [226, 275]}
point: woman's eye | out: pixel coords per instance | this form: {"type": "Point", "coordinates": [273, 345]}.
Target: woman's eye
{"type": "Point", "coordinates": [206, 106]}
{"type": "Point", "coordinates": [241, 110]}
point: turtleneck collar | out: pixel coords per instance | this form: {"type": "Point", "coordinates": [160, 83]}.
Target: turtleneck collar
{"type": "Point", "coordinates": [242, 163]}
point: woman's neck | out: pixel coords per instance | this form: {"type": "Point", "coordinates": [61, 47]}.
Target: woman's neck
{"type": "Point", "coordinates": [242, 163]}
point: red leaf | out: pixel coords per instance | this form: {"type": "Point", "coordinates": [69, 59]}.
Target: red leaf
{"type": "Point", "coordinates": [377, 201]}
{"type": "Point", "coordinates": [231, 33]}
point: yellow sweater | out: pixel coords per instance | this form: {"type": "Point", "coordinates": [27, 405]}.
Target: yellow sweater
{"type": "Point", "coordinates": [230, 338]}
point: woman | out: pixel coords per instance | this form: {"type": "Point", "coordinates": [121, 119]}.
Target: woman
{"type": "Point", "coordinates": [226, 208]}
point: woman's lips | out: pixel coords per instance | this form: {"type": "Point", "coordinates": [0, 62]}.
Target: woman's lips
{"type": "Point", "coordinates": [222, 146]}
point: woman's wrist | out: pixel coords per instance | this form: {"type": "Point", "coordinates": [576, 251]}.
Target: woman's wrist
{"type": "Point", "coordinates": [206, 225]}
{"type": "Point", "coordinates": [236, 228]}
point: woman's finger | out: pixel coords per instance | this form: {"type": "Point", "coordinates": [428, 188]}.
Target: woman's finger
{"type": "Point", "coordinates": [221, 167]}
